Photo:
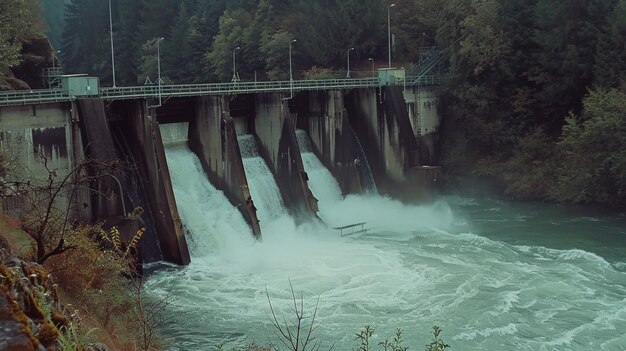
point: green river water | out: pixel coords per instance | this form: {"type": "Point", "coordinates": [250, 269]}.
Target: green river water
{"type": "Point", "coordinates": [494, 275]}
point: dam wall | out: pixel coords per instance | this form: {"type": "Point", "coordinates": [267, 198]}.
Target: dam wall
{"type": "Point", "coordinates": [148, 179]}
{"type": "Point", "coordinates": [275, 129]}
{"type": "Point", "coordinates": [380, 118]}
{"type": "Point", "coordinates": [32, 138]}
{"type": "Point", "coordinates": [425, 120]}
{"type": "Point", "coordinates": [213, 138]}
{"type": "Point", "coordinates": [381, 139]}
{"type": "Point", "coordinates": [323, 116]}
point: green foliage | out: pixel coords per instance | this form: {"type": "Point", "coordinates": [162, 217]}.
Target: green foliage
{"type": "Point", "coordinates": [363, 338]}
{"type": "Point", "coordinates": [148, 67]}
{"type": "Point", "coordinates": [610, 63]}
{"type": "Point", "coordinates": [362, 24]}
{"type": "Point", "coordinates": [437, 344]}
{"type": "Point", "coordinates": [316, 72]}
{"type": "Point", "coordinates": [518, 68]}
{"type": "Point", "coordinates": [275, 49]}
{"type": "Point", "coordinates": [231, 35]}
{"type": "Point", "coordinates": [177, 50]}
{"type": "Point", "coordinates": [71, 338]}
{"type": "Point", "coordinates": [592, 152]}
{"type": "Point", "coordinates": [395, 344]}
{"type": "Point", "coordinates": [86, 44]}
{"type": "Point", "coordinates": [530, 172]}
{"type": "Point", "coordinates": [18, 21]}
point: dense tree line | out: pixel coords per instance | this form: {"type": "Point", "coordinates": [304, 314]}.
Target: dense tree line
{"type": "Point", "coordinates": [200, 36]}
{"type": "Point", "coordinates": [537, 95]}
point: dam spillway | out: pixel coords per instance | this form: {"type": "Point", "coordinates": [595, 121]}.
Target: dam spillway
{"type": "Point", "coordinates": [339, 122]}
{"type": "Point", "coordinates": [211, 223]}
{"type": "Point", "coordinates": [322, 183]}
{"type": "Point", "coordinates": [265, 193]}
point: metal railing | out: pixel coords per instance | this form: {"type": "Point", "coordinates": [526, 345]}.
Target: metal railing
{"type": "Point", "coordinates": [233, 88]}
{"type": "Point", "coordinates": [23, 97]}
{"type": "Point", "coordinates": [435, 79]}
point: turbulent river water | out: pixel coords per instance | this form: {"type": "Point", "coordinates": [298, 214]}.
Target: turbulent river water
{"type": "Point", "coordinates": [494, 275]}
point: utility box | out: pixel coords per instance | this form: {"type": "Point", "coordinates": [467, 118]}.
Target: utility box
{"type": "Point", "coordinates": [391, 76]}
{"type": "Point", "coordinates": [77, 85]}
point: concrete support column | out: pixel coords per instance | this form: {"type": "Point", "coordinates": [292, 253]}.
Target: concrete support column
{"type": "Point", "coordinates": [274, 126]}
{"type": "Point", "coordinates": [144, 137]}
{"type": "Point", "coordinates": [213, 138]}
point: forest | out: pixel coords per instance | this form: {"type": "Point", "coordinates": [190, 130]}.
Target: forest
{"type": "Point", "coordinates": [534, 100]}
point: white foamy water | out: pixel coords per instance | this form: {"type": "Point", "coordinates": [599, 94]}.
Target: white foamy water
{"type": "Point", "coordinates": [321, 182]}
{"type": "Point", "coordinates": [211, 223]}
{"type": "Point", "coordinates": [263, 188]}
{"type": "Point", "coordinates": [418, 266]}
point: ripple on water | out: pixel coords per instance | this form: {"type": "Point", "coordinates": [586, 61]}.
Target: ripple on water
{"type": "Point", "coordinates": [411, 272]}
{"type": "Point", "coordinates": [509, 329]}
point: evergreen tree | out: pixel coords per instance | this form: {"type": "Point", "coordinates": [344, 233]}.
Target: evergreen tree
{"type": "Point", "coordinates": [232, 33]}
{"type": "Point", "coordinates": [53, 14]}
{"type": "Point", "coordinates": [177, 51]}
{"type": "Point", "coordinates": [86, 39]}
{"type": "Point", "coordinates": [148, 68]}
{"type": "Point", "coordinates": [327, 29]}
{"type": "Point", "coordinates": [275, 49]}
{"type": "Point", "coordinates": [610, 66]}
{"type": "Point", "coordinates": [156, 17]}
{"type": "Point", "coordinates": [126, 41]}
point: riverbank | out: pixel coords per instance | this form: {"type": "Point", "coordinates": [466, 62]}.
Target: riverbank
{"type": "Point", "coordinates": [86, 298]}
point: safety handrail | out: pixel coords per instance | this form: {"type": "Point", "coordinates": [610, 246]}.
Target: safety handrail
{"type": "Point", "coordinates": [355, 228]}
{"type": "Point", "coordinates": [22, 97]}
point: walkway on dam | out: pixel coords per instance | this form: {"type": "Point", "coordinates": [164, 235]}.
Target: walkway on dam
{"type": "Point", "coordinates": [39, 96]}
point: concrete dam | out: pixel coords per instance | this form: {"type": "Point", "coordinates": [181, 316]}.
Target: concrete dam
{"type": "Point", "coordinates": [262, 153]}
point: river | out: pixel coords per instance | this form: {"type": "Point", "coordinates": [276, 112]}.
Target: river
{"type": "Point", "coordinates": [494, 275]}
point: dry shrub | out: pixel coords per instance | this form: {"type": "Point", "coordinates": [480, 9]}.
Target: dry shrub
{"type": "Point", "coordinates": [94, 278]}
{"type": "Point", "coordinates": [20, 244]}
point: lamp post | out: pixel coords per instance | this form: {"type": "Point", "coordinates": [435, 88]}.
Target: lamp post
{"type": "Point", "coordinates": [235, 78]}
{"type": "Point", "coordinates": [348, 74]}
{"type": "Point", "coordinates": [290, 72]}
{"type": "Point", "coordinates": [389, 29]}
{"type": "Point", "coordinates": [422, 49]}
{"type": "Point", "coordinates": [55, 58]}
{"type": "Point", "coordinates": [159, 80]}
{"type": "Point", "coordinates": [372, 61]}
{"type": "Point", "coordinates": [290, 67]}
{"type": "Point", "coordinates": [112, 51]}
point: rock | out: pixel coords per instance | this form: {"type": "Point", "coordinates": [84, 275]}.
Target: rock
{"type": "Point", "coordinates": [10, 82]}
{"type": "Point", "coordinates": [98, 346]}
{"type": "Point", "coordinates": [5, 249]}
{"type": "Point", "coordinates": [14, 333]}
{"type": "Point", "coordinates": [37, 54]}
{"type": "Point", "coordinates": [28, 293]}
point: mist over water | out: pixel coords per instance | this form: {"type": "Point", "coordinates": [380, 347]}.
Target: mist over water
{"type": "Point", "coordinates": [490, 273]}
